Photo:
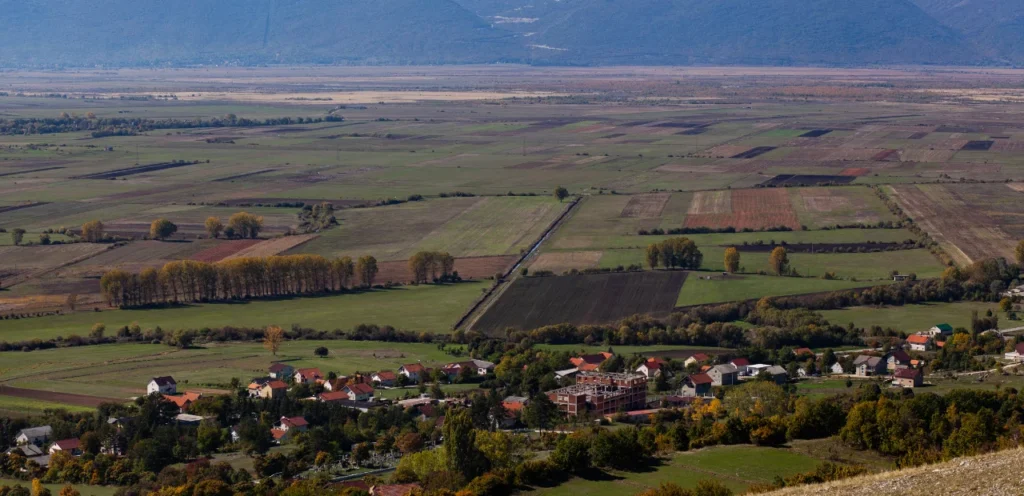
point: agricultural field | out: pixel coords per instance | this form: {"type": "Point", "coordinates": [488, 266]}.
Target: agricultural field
{"type": "Point", "coordinates": [532, 302]}
{"type": "Point", "coordinates": [914, 318]}
{"type": "Point", "coordinates": [430, 308]}
{"type": "Point", "coordinates": [703, 288]}
{"type": "Point", "coordinates": [121, 371]}
{"type": "Point", "coordinates": [738, 467]}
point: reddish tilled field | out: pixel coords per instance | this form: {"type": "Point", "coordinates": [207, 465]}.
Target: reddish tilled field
{"type": "Point", "coordinates": [751, 209]}
{"type": "Point", "coordinates": [855, 171]}
{"type": "Point", "coordinates": [223, 250]}
{"type": "Point", "coordinates": [533, 302]}
{"type": "Point", "coordinates": [468, 268]}
{"type": "Point", "coordinates": [68, 398]}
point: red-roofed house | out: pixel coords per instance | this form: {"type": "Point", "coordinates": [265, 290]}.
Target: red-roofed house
{"type": "Point", "coordinates": [274, 390]}
{"type": "Point", "coordinates": [741, 365]}
{"type": "Point", "coordinates": [697, 385]}
{"type": "Point", "coordinates": [332, 396]}
{"type": "Point", "coordinates": [70, 446]}
{"type": "Point", "coordinates": [590, 363]}
{"type": "Point", "coordinates": [281, 371]}
{"type": "Point", "coordinates": [801, 352]}
{"type": "Point", "coordinates": [359, 392]}
{"type": "Point", "coordinates": [696, 358]}
{"type": "Point", "coordinates": [308, 376]}
{"type": "Point", "coordinates": [413, 371]}
{"type": "Point", "coordinates": [650, 370]}
{"type": "Point", "coordinates": [919, 342]}
{"type": "Point", "coordinates": [385, 378]}
{"type": "Point", "coordinates": [896, 360]}
{"type": "Point", "coordinates": [1017, 355]}
{"type": "Point", "coordinates": [289, 423]}
{"type": "Point", "coordinates": [908, 378]}
{"type": "Point", "coordinates": [183, 401]}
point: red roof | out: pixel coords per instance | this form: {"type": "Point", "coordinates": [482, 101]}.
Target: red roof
{"type": "Point", "coordinates": [740, 362]}
{"type": "Point", "coordinates": [700, 357]}
{"type": "Point", "coordinates": [184, 399]}
{"type": "Point", "coordinates": [360, 388]}
{"type": "Point", "coordinates": [652, 365]}
{"type": "Point", "coordinates": [907, 373]}
{"type": "Point", "coordinates": [701, 379]}
{"type": "Point", "coordinates": [657, 360]}
{"type": "Point", "coordinates": [901, 356]}
{"type": "Point", "coordinates": [917, 339]}
{"type": "Point", "coordinates": [313, 373]}
{"type": "Point", "coordinates": [294, 421]}
{"type": "Point", "coordinates": [593, 359]}
{"type": "Point", "coordinates": [333, 396]}
{"type": "Point", "coordinates": [386, 375]}
{"type": "Point", "coordinates": [802, 351]}
{"type": "Point", "coordinates": [67, 444]}
{"type": "Point", "coordinates": [1020, 349]}
{"type": "Point", "coordinates": [415, 368]}
{"type": "Point", "coordinates": [278, 367]}
{"type": "Point", "coordinates": [278, 434]}
{"type": "Point", "coordinates": [277, 385]}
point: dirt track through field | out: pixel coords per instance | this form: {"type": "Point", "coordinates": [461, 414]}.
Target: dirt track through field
{"type": "Point", "coordinates": [66, 398]}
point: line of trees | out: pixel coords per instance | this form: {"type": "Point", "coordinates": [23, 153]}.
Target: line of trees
{"type": "Point", "coordinates": [674, 253]}
{"type": "Point", "coordinates": [431, 265]}
{"type": "Point", "coordinates": [185, 281]}
{"type": "Point", "coordinates": [114, 126]}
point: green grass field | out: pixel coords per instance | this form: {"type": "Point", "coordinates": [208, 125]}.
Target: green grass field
{"type": "Point", "coordinates": [83, 489]}
{"type": "Point", "coordinates": [20, 407]}
{"type": "Point", "coordinates": [914, 318]}
{"type": "Point", "coordinates": [697, 291]}
{"type": "Point", "coordinates": [122, 370]}
{"type": "Point", "coordinates": [824, 388]}
{"type": "Point", "coordinates": [422, 308]}
{"type": "Point", "coordinates": [737, 467]}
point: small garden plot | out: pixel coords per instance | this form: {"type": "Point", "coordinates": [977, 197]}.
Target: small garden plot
{"type": "Point", "coordinates": [532, 302]}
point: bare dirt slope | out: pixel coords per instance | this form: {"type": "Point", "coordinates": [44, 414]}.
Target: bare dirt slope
{"type": "Point", "coordinates": [995, 474]}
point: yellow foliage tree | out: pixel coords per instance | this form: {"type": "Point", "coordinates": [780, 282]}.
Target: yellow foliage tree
{"type": "Point", "coordinates": [272, 339]}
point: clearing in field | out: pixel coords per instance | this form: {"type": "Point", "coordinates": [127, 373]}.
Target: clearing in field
{"type": "Point", "coordinates": [532, 302]}
{"type": "Point", "coordinates": [751, 209]}
{"type": "Point", "coordinates": [967, 231]}
{"type": "Point", "coordinates": [647, 206]}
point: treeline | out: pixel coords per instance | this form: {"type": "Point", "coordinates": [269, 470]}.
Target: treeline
{"type": "Point", "coordinates": [674, 253]}
{"type": "Point", "coordinates": [432, 266]}
{"type": "Point", "coordinates": [709, 230]}
{"type": "Point", "coordinates": [124, 126]}
{"type": "Point", "coordinates": [186, 281]}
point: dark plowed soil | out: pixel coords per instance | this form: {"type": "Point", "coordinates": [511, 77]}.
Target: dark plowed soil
{"type": "Point", "coordinates": [248, 202]}
{"type": "Point", "coordinates": [240, 176]}
{"type": "Point", "coordinates": [884, 155]}
{"type": "Point", "coordinates": [29, 171]}
{"type": "Point", "coordinates": [957, 129]}
{"type": "Point", "coordinates": [67, 398]}
{"type": "Point", "coordinates": [917, 136]}
{"type": "Point", "coordinates": [978, 146]}
{"type": "Point", "coordinates": [753, 152]}
{"type": "Point", "coordinates": [21, 207]}
{"type": "Point", "coordinates": [679, 124]}
{"type": "Point", "coordinates": [816, 133]}
{"type": "Point", "coordinates": [818, 247]}
{"type": "Point", "coordinates": [807, 180]}
{"type": "Point", "coordinates": [131, 171]}
{"type": "Point", "coordinates": [533, 302]}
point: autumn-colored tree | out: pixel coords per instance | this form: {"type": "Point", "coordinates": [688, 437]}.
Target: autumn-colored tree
{"type": "Point", "coordinates": [653, 256]}
{"type": "Point", "coordinates": [162, 229]}
{"type": "Point", "coordinates": [38, 489]}
{"type": "Point", "coordinates": [732, 260]}
{"type": "Point", "coordinates": [246, 225]}
{"type": "Point", "coordinates": [92, 232]}
{"type": "Point", "coordinates": [428, 265]}
{"type": "Point", "coordinates": [272, 339]}
{"type": "Point", "coordinates": [779, 260]}
{"type": "Point", "coordinates": [676, 252]}
{"type": "Point", "coordinates": [214, 227]}
{"type": "Point", "coordinates": [367, 269]}
{"type": "Point", "coordinates": [69, 490]}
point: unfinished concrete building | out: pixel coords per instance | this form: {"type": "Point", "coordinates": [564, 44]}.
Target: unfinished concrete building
{"type": "Point", "coordinates": [599, 393]}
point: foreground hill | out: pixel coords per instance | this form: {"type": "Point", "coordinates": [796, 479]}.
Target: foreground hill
{"type": "Point", "coordinates": [777, 32]}
{"type": "Point", "coordinates": [140, 32]}
{"type": "Point", "coordinates": [987, 475]}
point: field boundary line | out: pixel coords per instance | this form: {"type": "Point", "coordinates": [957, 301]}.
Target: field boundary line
{"type": "Point", "coordinates": [469, 319]}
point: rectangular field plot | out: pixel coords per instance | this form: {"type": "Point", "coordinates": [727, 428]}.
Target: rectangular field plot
{"type": "Point", "coordinates": [750, 209]}
{"type": "Point", "coordinates": [532, 302]}
{"type": "Point", "coordinates": [719, 289]}
{"type": "Point", "coordinates": [825, 207]}
{"type": "Point", "coordinates": [464, 227]}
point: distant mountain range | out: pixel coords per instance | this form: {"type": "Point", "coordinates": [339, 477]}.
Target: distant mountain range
{"type": "Point", "coordinates": [48, 33]}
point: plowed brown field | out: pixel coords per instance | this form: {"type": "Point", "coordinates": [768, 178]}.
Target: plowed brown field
{"type": "Point", "coordinates": [750, 209]}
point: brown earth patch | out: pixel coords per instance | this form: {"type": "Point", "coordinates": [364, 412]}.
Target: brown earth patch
{"type": "Point", "coordinates": [710, 202]}
{"type": "Point", "coordinates": [856, 171]}
{"type": "Point", "coordinates": [559, 262]}
{"type": "Point", "coordinates": [885, 155]}
{"type": "Point", "coordinates": [223, 250]}
{"type": "Point", "coordinates": [647, 206]}
{"type": "Point", "coordinates": [273, 247]}
{"type": "Point", "coordinates": [751, 209]}
{"type": "Point", "coordinates": [66, 398]}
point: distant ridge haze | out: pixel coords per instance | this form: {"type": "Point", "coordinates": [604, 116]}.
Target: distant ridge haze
{"type": "Point", "coordinates": [69, 33]}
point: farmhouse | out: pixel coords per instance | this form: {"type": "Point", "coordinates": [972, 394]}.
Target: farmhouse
{"type": "Point", "coordinates": [162, 385]}
{"type": "Point", "coordinates": [940, 330]}
{"type": "Point", "coordinates": [896, 360]}
{"type": "Point", "coordinates": [274, 390]}
{"type": "Point", "coordinates": [650, 370]}
{"type": "Point", "coordinates": [866, 366]}
{"type": "Point", "coordinates": [908, 378]}
{"type": "Point", "coordinates": [256, 385]}
{"type": "Point", "coordinates": [183, 401]}
{"type": "Point", "coordinates": [696, 359]}
{"type": "Point", "coordinates": [778, 374]}
{"type": "Point", "coordinates": [1017, 355]}
{"type": "Point", "coordinates": [414, 371]}
{"type": "Point", "coordinates": [37, 436]}
{"type": "Point", "coordinates": [919, 342]}
{"type": "Point", "coordinates": [288, 423]}
{"type": "Point", "coordinates": [281, 371]}
{"type": "Point", "coordinates": [696, 385]}
{"type": "Point", "coordinates": [741, 365]}
{"type": "Point", "coordinates": [308, 376]}
{"type": "Point", "coordinates": [724, 375]}
{"type": "Point", "coordinates": [70, 446]}
{"type": "Point", "coordinates": [385, 378]}
{"type": "Point", "coordinates": [590, 362]}
{"type": "Point", "coordinates": [358, 392]}
{"type": "Point", "coordinates": [837, 368]}
{"type": "Point", "coordinates": [803, 353]}
{"type": "Point", "coordinates": [601, 394]}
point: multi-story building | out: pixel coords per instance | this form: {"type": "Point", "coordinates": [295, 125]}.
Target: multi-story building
{"type": "Point", "coordinates": [601, 394]}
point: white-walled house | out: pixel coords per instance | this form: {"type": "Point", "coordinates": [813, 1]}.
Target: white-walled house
{"type": "Point", "coordinates": [162, 385]}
